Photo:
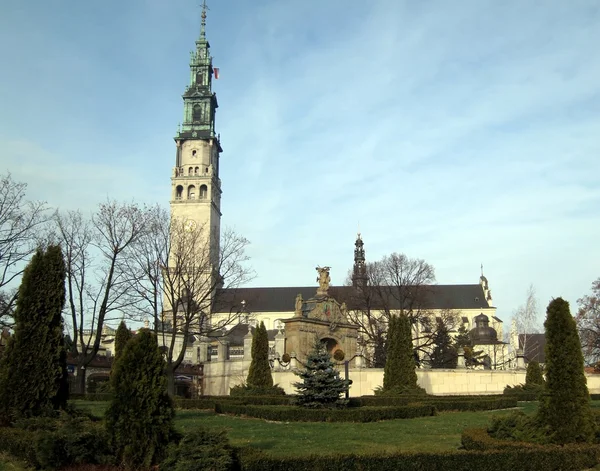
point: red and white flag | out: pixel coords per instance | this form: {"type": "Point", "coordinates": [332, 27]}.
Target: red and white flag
{"type": "Point", "coordinates": [216, 71]}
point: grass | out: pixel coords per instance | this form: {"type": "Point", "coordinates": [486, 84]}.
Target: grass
{"type": "Point", "coordinates": [441, 432]}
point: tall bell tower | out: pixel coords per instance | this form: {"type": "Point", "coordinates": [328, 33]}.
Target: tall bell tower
{"type": "Point", "coordinates": [196, 187]}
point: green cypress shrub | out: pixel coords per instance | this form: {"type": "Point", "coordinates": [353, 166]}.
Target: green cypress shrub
{"type": "Point", "coordinates": [534, 376]}
{"type": "Point", "coordinates": [33, 370]}
{"type": "Point", "coordinates": [321, 385]}
{"type": "Point", "coordinates": [565, 404]}
{"type": "Point", "coordinates": [399, 374]}
{"type": "Point", "coordinates": [140, 416]}
{"type": "Point", "coordinates": [259, 374]}
{"type": "Point", "coordinates": [122, 336]}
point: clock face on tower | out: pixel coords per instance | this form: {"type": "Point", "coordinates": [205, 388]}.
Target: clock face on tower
{"type": "Point", "coordinates": [190, 225]}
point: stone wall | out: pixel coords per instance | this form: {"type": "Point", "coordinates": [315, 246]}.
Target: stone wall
{"type": "Point", "coordinates": [220, 376]}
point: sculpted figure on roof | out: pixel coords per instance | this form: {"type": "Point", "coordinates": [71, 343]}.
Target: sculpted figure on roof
{"type": "Point", "coordinates": [324, 279]}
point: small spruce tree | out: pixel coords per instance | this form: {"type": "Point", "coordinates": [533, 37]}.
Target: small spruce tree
{"type": "Point", "coordinates": [444, 354]}
{"type": "Point", "coordinates": [139, 419]}
{"type": "Point", "coordinates": [565, 404]}
{"type": "Point", "coordinates": [399, 374]}
{"type": "Point", "coordinates": [33, 370]}
{"type": "Point", "coordinates": [122, 336]}
{"type": "Point", "coordinates": [321, 385]}
{"type": "Point", "coordinates": [259, 373]}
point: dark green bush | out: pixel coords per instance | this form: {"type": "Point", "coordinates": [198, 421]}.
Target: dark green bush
{"type": "Point", "coordinates": [523, 392]}
{"type": "Point", "coordinates": [200, 450]}
{"type": "Point", "coordinates": [300, 414]}
{"type": "Point", "coordinates": [399, 372]}
{"type": "Point", "coordinates": [54, 443]}
{"type": "Point", "coordinates": [571, 458]}
{"type": "Point", "coordinates": [517, 427]}
{"type": "Point", "coordinates": [259, 373]}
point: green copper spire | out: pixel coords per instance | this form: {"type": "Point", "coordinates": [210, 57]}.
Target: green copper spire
{"type": "Point", "coordinates": [203, 23]}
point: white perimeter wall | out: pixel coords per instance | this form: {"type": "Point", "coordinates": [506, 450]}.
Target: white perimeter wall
{"type": "Point", "coordinates": [219, 376]}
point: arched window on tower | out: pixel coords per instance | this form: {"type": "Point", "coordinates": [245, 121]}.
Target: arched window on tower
{"type": "Point", "coordinates": [196, 170]}
{"type": "Point", "coordinates": [191, 171]}
{"type": "Point", "coordinates": [199, 78]}
{"type": "Point", "coordinates": [191, 192]}
{"type": "Point", "coordinates": [203, 192]}
{"type": "Point", "coordinates": [198, 113]}
{"type": "Point", "coordinates": [178, 192]}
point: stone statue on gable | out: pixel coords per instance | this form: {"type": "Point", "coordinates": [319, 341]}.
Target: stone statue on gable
{"type": "Point", "coordinates": [324, 279]}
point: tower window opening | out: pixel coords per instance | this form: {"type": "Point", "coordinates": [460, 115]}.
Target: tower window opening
{"type": "Point", "coordinates": [191, 171]}
{"type": "Point", "coordinates": [194, 153]}
{"type": "Point", "coordinates": [198, 113]}
{"type": "Point", "coordinates": [196, 170]}
{"type": "Point", "coordinates": [178, 192]}
{"type": "Point", "coordinates": [203, 192]}
{"type": "Point", "coordinates": [191, 193]}
{"type": "Point", "coordinates": [205, 169]}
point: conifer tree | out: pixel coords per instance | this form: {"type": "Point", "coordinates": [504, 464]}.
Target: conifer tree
{"type": "Point", "coordinates": [565, 404]}
{"type": "Point", "coordinates": [399, 373]}
{"type": "Point", "coordinates": [33, 370]}
{"type": "Point", "coordinates": [140, 417]}
{"type": "Point", "coordinates": [259, 373]}
{"type": "Point", "coordinates": [122, 336]}
{"type": "Point", "coordinates": [534, 376]}
{"type": "Point", "coordinates": [321, 385]}
{"type": "Point", "coordinates": [443, 354]}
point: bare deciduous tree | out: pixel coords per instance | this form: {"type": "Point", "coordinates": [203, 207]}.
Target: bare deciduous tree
{"type": "Point", "coordinates": [526, 316]}
{"type": "Point", "coordinates": [588, 323]}
{"type": "Point", "coordinates": [96, 282]}
{"type": "Point", "coordinates": [177, 272]}
{"type": "Point", "coordinates": [396, 285]}
{"type": "Point", "coordinates": [19, 221]}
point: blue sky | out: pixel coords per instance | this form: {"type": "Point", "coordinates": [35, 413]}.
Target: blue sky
{"type": "Point", "coordinates": [458, 132]}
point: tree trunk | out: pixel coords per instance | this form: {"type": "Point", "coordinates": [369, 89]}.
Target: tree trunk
{"type": "Point", "coordinates": [80, 379]}
{"type": "Point", "coordinates": [170, 381]}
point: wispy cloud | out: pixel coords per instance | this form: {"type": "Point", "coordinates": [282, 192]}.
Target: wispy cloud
{"type": "Point", "coordinates": [461, 133]}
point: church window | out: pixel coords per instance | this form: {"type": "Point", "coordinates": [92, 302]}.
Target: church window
{"type": "Point", "coordinates": [194, 153]}
{"type": "Point", "coordinates": [199, 78]}
{"type": "Point", "coordinates": [178, 192]}
{"type": "Point", "coordinates": [205, 169]}
{"type": "Point", "coordinates": [196, 170]}
{"type": "Point", "coordinates": [203, 192]}
{"type": "Point", "coordinates": [191, 194]}
{"type": "Point", "coordinates": [190, 170]}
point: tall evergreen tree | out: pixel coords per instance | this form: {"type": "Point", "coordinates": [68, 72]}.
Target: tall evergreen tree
{"type": "Point", "coordinates": [565, 404]}
{"type": "Point", "coordinates": [259, 373]}
{"type": "Point", "coordinates": [140, 417]}
{"type": "Point", "coordinates": [321, 385]}
{"type": "Point", "coordinates": [443, 354]}
{"type": "Point", "coordinates": [399, 373]}
{"type": "Point", "coordinates": [534, 376]}
{"type": "Point", "coordinates": [122, 336]}
{"type": "Point", "coordinates": [33, 371]}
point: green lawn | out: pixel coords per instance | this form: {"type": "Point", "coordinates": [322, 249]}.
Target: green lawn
{"type": "Point", "coordinates": [441, 432]}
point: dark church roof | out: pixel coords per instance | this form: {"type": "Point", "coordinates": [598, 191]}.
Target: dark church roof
{"type": "Point", "coordinates": [534, 347]}
{"type": "Point", "coordinates": [281, 299]}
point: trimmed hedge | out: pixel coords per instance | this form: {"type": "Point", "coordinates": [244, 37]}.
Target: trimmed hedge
{"type": "Point", "coordinates": [301, 414]}
{"type": "Point", "coordinates": [442, 403]}
{"type": "Point", "coordinates": [91, 397]}
{"type": "Point", "coordinates": [542, 459]}
{"type": "Point", "coordinates": [208, 402]}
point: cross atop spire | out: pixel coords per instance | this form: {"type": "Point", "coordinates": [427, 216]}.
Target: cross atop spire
{"type": "Point", "coordinates": [203, 23]}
